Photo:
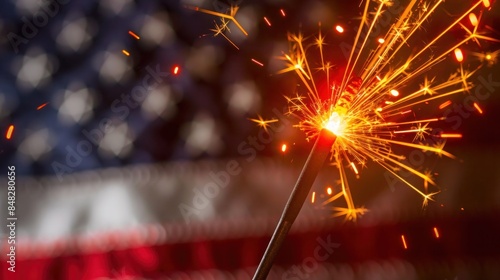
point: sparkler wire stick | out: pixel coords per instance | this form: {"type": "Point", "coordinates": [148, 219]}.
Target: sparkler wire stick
{"type": "Point", "coordinates": [314, 162]}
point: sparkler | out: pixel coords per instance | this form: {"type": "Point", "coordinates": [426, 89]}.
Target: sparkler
{"type": "Point", "coordinates": [375, 98]}
{"type": "Point", "coordinates": [10, 131]}
{"type": "Point", "coordinates": [371, 108]}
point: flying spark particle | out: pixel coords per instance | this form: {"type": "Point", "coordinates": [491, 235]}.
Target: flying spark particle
{"type": "Point", "coordinates": [257, 62]}
{"type": "Point", "coordinates": [41, 106]}
{"type": "Point", "coordinates": [478, 108]}
{"type": "Point", "coordinates": [354, 168]}
{"type": "Point", "coordinates": [339, 29]}
{"type": "Point", "coordinates": [473, 19]}
{"type": "Point", "coordinates": [459, 55]}
{"type": "Point", "coordinates": [125, 52]}
{"type": "Point", "coordinates": [486, 3]}
{"type": "Point", "coordinates": [381, 40]}
{"type": "Point", "coordinates": [404, 241]}
{"type": "Point", "coordinates": [134, 35]}
{"type": "Point", "coordinates": [329, 191]}
{"type": "Point", "coordinates": [10, 130]}
{"type": "Point", "coordinates": [283, 148]}
{"type": "Point", "coordinates": [488, 57]}
{"type": "Point", "coordinates": [436, 232]}
{"type": "Point", "coordinates": [444, 104]}
{"type": "Point", "coordinates": [176, 70]}
{"type": "Point", "coordinates": [394, 92]}
{"type": "Point", "coordinates": [451, 135]}
{"type": "Point", "coordinates": [313, 197]}
{"type": "Point", "coordinates": [283, 12]}
{"type": "Point", "coordinates": [267, 21]}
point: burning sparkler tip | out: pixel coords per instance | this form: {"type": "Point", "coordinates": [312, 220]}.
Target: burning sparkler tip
{"type": "Point", "coordinates": [10, 131]}
{"type": "Point", "coordinates": [335, 124]}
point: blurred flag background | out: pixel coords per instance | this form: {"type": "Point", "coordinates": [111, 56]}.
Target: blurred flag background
{"type": "Point", "coordinates": [128, 125]}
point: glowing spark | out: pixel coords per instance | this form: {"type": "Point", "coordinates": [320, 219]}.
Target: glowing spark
{"type": "Point", "coordinates": [267, 21]}
{"type": "Point", "coordinates": [263, 123]}
{"type": "Point", "coordinates": [381, 40]}
{"type": "Point", "coordinates": [394, 92]}
{"type": "Point", "coordinates": [354, 168]}
{"type": "Point", "coordinates": [489, 57]}
{"type": "Point", "coordinates": [313, 197]}
{"type": "Point", "coordinates": [473, 19]}
{"type": "Point", "coordinates": [478, 108]}
{"type": "Point", "coordinates": [10, 130]}
{"type": "Point", "coordinates": [459, 55]}
{"type": "Point", "coordinates": [329, 191]}
{"type": "Point", "coordinates": [176, 70]}
{"type": "Point", "coordinates": [283, 148]}
{"type": "Point", "coordinates": [257, 62]}
{"type": "Point", "coordinates": [283, 13]}
{"type": "Point", "coordinates": [436, 232]}
{"type": "Point", "coordinates": [41, 106]}
{"type": "Point", "coordinates": [339, 29]}
{"type": "Point", "coordinates": [444, 104]}
{"type": "Point", "coordinates": [486, 3]}
{"type": "Point", "coordinates": [133, 35]}
{"type": "Point", "coordinates": [125, 52]}
{"type": "Point", "coordinates": [232, 13]}
{"type": "Point", "coordinates": [404, 241]}
{"type": "Point", "coordinates": [450, 135]}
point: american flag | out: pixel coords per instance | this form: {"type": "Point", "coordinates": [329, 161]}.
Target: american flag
{"type": "Point", "coordinates": [115, 114]}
